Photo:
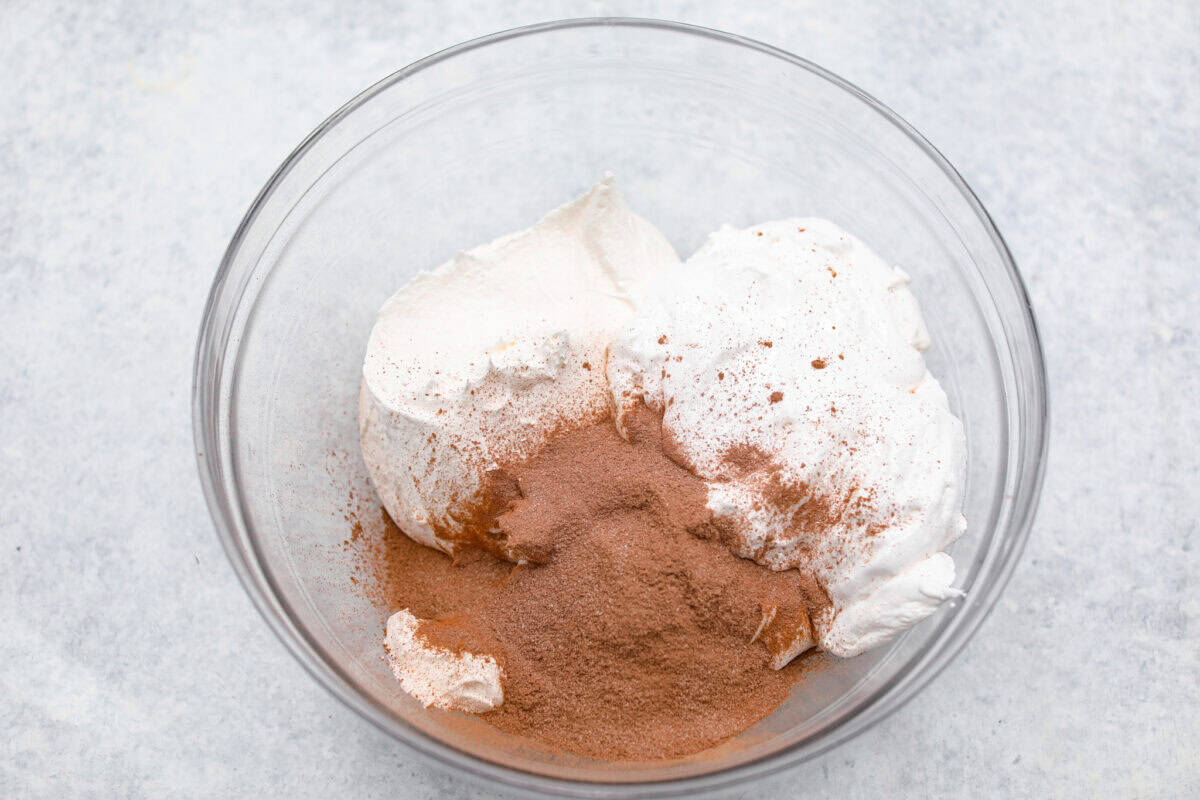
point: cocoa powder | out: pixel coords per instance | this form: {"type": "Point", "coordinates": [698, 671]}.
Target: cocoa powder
{"type": "Point", "coordinates": [633, 632]}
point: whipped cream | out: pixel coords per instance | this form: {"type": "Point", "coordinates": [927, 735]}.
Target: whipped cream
{"type": "Point", "coordinates": [789, 343]}
{"type": "Point", "coordinates": [469, 682]}
{"type": "Point", "coordinates": [482, 358]}
{"type": "Point", "coordinates": [793, 341]}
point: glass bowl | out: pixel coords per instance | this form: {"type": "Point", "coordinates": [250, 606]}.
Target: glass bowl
{"type": "Point", "coordinates": [700, 128]}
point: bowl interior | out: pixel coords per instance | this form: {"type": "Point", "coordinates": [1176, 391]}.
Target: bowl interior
{"type": "Point", "coordinates": [699, 131]}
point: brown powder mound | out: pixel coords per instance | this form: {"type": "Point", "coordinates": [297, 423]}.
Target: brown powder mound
{"type": "Point", "coordinates": [636, 634]}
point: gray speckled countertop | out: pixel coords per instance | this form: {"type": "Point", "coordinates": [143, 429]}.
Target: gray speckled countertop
{"type": "Point", "coordinates": [134, 135]}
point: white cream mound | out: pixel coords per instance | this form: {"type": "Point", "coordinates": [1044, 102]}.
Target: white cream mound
{"type": "Point", "coordinates": [480, 359]}
{"type": "Point", "coordinates": [794, 339]}
{"type": "Point", "coordinates": [437, 677]}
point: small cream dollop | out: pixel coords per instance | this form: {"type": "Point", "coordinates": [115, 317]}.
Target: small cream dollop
{"type": "Point", "coordinates": [437, 677]}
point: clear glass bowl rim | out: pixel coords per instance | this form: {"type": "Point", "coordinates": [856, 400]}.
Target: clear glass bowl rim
{"type": "Point", "coordinates": [230, 521]}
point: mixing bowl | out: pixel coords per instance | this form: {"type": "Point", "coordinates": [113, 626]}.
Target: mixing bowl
{"type": "Point", "coordinates": [700, 128]}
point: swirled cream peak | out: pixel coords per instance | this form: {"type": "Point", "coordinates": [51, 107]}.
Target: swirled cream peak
{"type": "Point", "coordinates": [482, 358]}
{"type": "Point", "coordinates": [787, 361]}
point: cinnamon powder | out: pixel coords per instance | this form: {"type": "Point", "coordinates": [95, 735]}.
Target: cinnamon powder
{"type": "Point", "coordinates": [633, 632]}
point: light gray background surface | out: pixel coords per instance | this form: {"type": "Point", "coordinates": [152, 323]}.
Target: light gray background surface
{"type": "Point", "coordinates": [134, 135]}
